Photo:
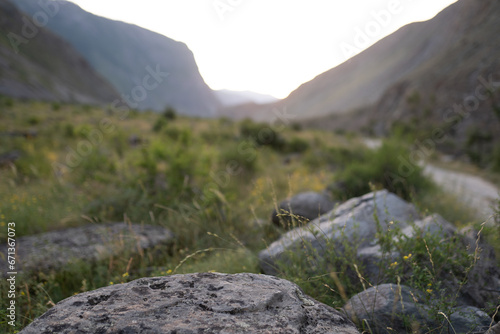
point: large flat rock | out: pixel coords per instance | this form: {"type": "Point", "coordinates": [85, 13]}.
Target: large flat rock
{"type": "Point", "coordinates": [94, 242]}
{"type": "Point", "coordinates": [194, 303]}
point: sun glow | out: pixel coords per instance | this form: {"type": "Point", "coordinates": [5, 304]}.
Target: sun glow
{"type": "Point", "coordinates": [264, 46]}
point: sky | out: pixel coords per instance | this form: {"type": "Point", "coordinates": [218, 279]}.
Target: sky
{"type": "Point", "coordinates": [268, 46]}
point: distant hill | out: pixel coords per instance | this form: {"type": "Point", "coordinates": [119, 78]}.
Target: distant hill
{"type": "Point", "coordinates": [122, 52]}
{"type": "Point", "coordinates": [45, 67]}
{"type": "Point", "coordinates": [230, 98]}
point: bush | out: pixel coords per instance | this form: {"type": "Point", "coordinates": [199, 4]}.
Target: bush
{"type": "Point", "coordinates": [389, 168]}
{"type": "Point", "coordinates": [297, 145]}
{"type": "Point", "coordinates": [170, 114]}
{"type": "Point", "coordinates": [159, 124]}
{"type": "Point", "coordinates": [496, 158]}
{"type": "Point", "coordinates": [262, 134]}
{"type": "Point", "coordinates": [239, 161]}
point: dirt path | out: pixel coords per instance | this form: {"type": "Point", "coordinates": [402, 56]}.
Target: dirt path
{"type": "Point", "coordinates": [471, 190]}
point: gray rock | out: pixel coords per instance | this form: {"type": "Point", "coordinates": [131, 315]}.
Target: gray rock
{"type": "Point", "coordinates": [307, 206]}
{"type": "Point", "coordinates": [194, 303]}
{"type": "Point", "coordinates": [390, 308]}
{"type": "Point", "coordinates": [53, 250]}
{"type": "Point", "coordinates": [353, 220]}
{"type": "Point", "coordinates": [353, 223]}
{"type": "Point", "coordinates": [469, 320]}
{"type": "Point", "coordinates": [494, 329]}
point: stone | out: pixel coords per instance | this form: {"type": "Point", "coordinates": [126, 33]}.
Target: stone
{"type": "Point", "coordinates": [494, 329]}
{"type": "Point", "coordinates": [353, 219]}
{"type": "Point", "coordinates": [194, 303]}
{"type": "Point", "coordinates": [94, 242]}
{"type": "Point", "coordinates": [467, 320]}
{"type": "Point", "coordinates": [353, 223]}
{"type": "Point", "coordinates": [390, 308]}
{"type": "Point", "coordinates": [306, 206]}
{"type": "Point", "coordinates": [8, 159]}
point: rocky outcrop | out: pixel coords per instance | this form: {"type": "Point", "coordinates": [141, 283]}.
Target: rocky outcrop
{"type": "Point", "coordinates": [365, 225]}
{"type": "Point", "coordinates": [194, 303]}
{"type": "Point", "coordinates": [302, 208]}
{"type": "Point", "coordinates": [391, 308]}
{"type": "Point", "coordinates": [94, 242]}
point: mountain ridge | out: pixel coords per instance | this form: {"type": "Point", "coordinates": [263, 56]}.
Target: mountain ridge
{"type": "Point", "coordinates": [45, 66]}
{"type": "Point", "coordinates": [121, 52]}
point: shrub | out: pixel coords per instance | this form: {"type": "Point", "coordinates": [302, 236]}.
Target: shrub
{"type": "Point", "coordinates": [239, 161]}
{"type": "Point", "coordinates": [389, 168]}
{"type": "Point", "coordinates": [262, 134]}
{"type": "Point", "coordinates": [297, 145]}
{"type": "Point", "coordinates": [478, 145]}
{"type": "Point", "coordinates": [159, 124]}
{"type": "Point", "coordinates": [496, 158]}
{"type": "Point", "coordinates": [170, 113]}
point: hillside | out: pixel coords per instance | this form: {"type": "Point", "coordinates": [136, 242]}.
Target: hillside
{"type": "Point", "coordinates": [46, 67]}
{"type": "Point", "coordinates": [122, 52]}
{"type": "Point", "coordinates": [432, 50]}
{"type": "Point", "coordinates": [455, 91]}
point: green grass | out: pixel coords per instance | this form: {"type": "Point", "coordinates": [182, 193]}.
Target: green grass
{"type": "Point", "coordinates": [206, 180]}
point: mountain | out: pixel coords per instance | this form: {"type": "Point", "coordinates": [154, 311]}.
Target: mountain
{"type": "Point", "coordinates": [229, 98]}
{"type": "Point", "coordinates": [455, 92]}
{"type": "Point", "coordinates": [364, 79]}
{"type": "Point", "coordinates": [128, 56]}
{"type": "Point", "coordinates": [37, 64]}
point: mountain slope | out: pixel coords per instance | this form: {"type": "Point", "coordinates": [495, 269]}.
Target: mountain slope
{"type": "Point", "coordinates": [46, 67]}
{"type": "Point", "coordinates": [362, 80]}
{"type": "Point", "coordinates": [455, 93]}
{"type": "Point", "coordinates": [122, 53]}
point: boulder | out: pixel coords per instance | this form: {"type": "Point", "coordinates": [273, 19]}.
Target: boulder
{"type": "Point", "coordinates": [353, 219]}
{"type": "Point", "coordinates": [467, 320]}
{"type": "Point", "coordinates": [306, 206]}
{"type": "Point", "coordinates": [357, 223]}
{"type": "Point", "coordinates": [391, 308]}
{"type": "Point", "coordinates": [194, 303]}
{"type": "Point", "coordinates": [494, 329]}
{"type": "Point", "coordinates": [94, 242]}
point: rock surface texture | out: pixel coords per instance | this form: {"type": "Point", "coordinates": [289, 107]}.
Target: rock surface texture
{"type": "Point", "coordinates": [53, 250]}
{"type": "Point", "coordinates": [194, 303]}
{"type": "Point", "coordinates": [307, 206]}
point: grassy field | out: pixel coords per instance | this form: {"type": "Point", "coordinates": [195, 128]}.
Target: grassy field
{"type": "Point", "coordinates": [207, 180]}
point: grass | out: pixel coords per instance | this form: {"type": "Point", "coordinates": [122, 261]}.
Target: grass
{"type": "Point", "coordinates": [206, 180]}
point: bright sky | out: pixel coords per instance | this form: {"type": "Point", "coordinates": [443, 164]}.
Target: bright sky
{"type": "Point", "coordinates": [268, 46]}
